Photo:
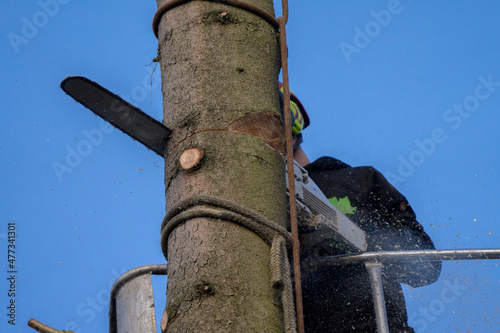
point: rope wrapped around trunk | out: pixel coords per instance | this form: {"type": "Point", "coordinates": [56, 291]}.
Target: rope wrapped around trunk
{"type": "Point", "coordinates": [277, 237]}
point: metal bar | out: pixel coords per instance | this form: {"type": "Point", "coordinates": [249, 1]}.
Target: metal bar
{"type": "Point", "coordinates": [373, 262]}
{"type": "Point", "coordinates": [375, 272]}
{"type": "Point", "coordinates": [122, 280]}
{"type": "Point", "coordinates": [371, 259]}
{"type": "Point", "coordinates": [414, 255]}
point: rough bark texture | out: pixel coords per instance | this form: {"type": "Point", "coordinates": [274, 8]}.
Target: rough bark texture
{"type": "Point", "coordinates": [219, 81]}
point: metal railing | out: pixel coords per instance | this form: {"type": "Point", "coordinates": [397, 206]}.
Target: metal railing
{"type": "Point", "coordinates": [124, 290]}
{"type": "Point", "coordinates": [374, 260]}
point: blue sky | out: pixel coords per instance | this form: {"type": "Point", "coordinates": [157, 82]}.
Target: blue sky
{"type": "Point", "coordinates": [409, 87]}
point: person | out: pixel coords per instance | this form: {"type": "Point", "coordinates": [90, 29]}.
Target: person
{"type": "Point", "coordinates": [338, 298]}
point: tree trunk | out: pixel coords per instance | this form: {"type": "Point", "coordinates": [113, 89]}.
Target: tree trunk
{"type": "Point", "coordinates": [220, 67]}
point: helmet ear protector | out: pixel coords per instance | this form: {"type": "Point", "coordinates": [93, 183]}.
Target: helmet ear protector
{"type": "Point", "coordinates": [300, 119]}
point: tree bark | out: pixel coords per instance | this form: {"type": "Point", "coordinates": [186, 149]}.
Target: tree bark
{"type": "Point", "coordinates": [220, 67]}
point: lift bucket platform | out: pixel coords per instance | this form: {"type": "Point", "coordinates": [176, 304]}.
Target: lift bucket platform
{"type": "Point", "coordinates": [132, 307]}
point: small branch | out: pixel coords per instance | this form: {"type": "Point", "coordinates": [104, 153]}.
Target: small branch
{"type": "Point", "coordinates": [36, 325]}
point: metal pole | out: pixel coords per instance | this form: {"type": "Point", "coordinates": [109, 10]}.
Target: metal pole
{"type": "Point", "coordinates": [415, 255]}
{"type": "Point", "coordinates": [375, 272]}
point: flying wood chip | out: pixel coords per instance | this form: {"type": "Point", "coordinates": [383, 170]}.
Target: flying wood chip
{"type": "Point", "coordinates": [118, 112]}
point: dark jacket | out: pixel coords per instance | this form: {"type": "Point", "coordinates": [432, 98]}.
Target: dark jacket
{"type": "Point", "coordinates": [339, 298]}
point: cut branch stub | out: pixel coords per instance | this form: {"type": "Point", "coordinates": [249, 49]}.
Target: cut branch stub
{"type": "Point", "coordinates": [190, 158]}
{"type": "Point", "coordinates": [164, 321]}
